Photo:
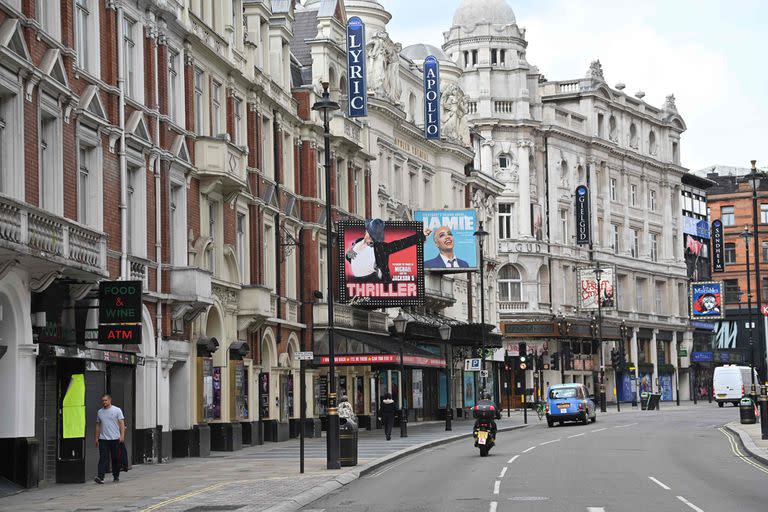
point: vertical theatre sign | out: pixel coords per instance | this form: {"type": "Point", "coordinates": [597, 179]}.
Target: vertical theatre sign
{"type": "Point", "coordinates": [431, 98]}
{"type": "Point", "coordinates": [120, 312]}
{"type": "Point", "coordinates": [358, 96]}
{"type": "Point", "coordinates": [583, 228]}
{"type": "Point", "coordinates": [718, 259]}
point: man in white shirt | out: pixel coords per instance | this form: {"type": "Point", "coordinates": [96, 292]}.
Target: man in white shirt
{"type": "Point", "coordinates": [110, 432]}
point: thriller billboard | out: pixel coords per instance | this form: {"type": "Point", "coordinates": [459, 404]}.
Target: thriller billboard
{"type": "Point", "coordinates": [381, 263]}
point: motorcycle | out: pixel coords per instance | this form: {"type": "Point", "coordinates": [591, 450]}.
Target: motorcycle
{"type": "Point", "coordinates": [484, 439]}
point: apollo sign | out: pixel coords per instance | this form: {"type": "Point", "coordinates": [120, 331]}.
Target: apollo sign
{"type": "Point", "coordinates": [356, 86]}
{"type": "Point", "coordinates": [431, 98]}
{"type": "Point", "coordinates": [583, 227]}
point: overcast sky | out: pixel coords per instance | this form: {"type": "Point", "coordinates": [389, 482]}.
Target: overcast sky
{"type": "Point", "coordinates": [711, 54]}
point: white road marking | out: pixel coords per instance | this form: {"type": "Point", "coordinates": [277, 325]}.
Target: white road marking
{"type": "Point", "coordinates": [600, 429]}
{"type": "Point", "coordinates": [549, 442]}
{"type": "Point", "coordinates": [694, 507]}
{"type": "Point", "coordinates": [623, 426]}
{"type": "Point", "coordinates": [503, 472]}
{"type": "Point", "coordinates": [529, 449]}
{"type": "Point", "coordinates": [576, 435]}
{"type": "Point", "coordinates": [510, 461]}
{"type": "Point", "coordinates": [496, 487]}
{"type": "Point", "coordinates": [595, 509]}
{"type": "Point", "coordinates": [493, 506]}
{"type": "Point", "coordinates": [660, 484]}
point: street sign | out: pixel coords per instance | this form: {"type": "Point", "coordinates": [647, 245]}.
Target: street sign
{"type": "Point", "coordinates": [764, 309]}
{"type": "Point", "coordinates": [473, 365]}
{"type": "Point", "coordinates": [483, 373]}
{"type": "Point", "coordinates": [682, 353]}
{"type": "Point", "coordinates": [303, 356]}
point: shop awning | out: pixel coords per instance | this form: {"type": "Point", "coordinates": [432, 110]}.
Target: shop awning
{"type": "Point", "coordinates": [364, 348]}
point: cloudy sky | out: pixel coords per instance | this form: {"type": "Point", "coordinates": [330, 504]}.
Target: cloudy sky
{"type": "Point", "coordinates": [709, 53]}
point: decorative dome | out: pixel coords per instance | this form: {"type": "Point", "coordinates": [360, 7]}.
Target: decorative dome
{"type": "Point", "coordinates": [419, 52]}
{"type": "Point", "coordinates": [474, 12]}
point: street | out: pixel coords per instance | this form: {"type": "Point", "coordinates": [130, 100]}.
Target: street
{"type": "Point", "coordinates": [671, 460]}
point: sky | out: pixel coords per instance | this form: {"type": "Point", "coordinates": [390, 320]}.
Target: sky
{"type": "Point", "coordinates": [710, 54]}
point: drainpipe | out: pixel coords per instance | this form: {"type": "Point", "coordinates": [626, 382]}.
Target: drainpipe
{"type": "Point", "coordinates": [124, 271]}
{"type": "Point", "coordinates": [158, 236]}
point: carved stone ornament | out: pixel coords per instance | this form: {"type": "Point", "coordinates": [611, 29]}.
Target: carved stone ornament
{"type": "Point", "coordinates": [595, 71]}
{"type": "Point", "coordinates": [454, 106]}
{"type": "Point", "coordinates": [669, 104]}
{"type": "Point", "coordinates": [384, 67]}
{"type": "Point", "coordinates": [226, 296]}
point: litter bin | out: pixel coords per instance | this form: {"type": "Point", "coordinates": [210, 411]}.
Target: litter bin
{"type": "Point", "coordinates": [644, 396]}
{"type": "Point", "coordinates": [747, 411]}
{"type": "Point", "coordinates": [347, 442]}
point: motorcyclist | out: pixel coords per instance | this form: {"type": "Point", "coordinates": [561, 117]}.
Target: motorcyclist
{"type": "Point", "coordinates": [487, 401]}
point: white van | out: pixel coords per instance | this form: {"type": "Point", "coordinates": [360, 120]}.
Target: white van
{"type": "Point", "coordinates": [731, 383]}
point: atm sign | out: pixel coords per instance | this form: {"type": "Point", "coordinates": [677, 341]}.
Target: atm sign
{"type": "Point", "coordinates": [120, 334]}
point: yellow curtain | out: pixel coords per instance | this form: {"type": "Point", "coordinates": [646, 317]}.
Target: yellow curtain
{"type": "Point", "coordinates": [73, 408]}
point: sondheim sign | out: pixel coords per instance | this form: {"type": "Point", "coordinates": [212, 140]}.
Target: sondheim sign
{"type": "Point", "coordinates": [718, 257]}
{"type": "Point", "coordinates": [431, 98]}
{"type": "Point", "coordinates": [583, 228]}
{"type": "Point", "coordinates": [358, 97]}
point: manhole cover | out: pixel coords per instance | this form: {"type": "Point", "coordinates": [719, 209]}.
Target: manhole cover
{"type": "Point", "coordinates": [213, 508]}
{"type": "Point", "coordinates": [529, 498]}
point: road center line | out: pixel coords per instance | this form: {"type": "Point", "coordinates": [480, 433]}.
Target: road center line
{"type": "Point", "coordinates": [493, 506]}
{"type": "Point", "coordinates": [660, 484]}
{"type": "Point", "coordinates": [549, 442]}
{"type": "Point", "coordinates": [510, 461]}
{"type": "Point", "coordinates": [529, 449]}
{"type": "Point", "coordinates": [496, 487]}
{"type": "Point", "coordinates": [623, 426]}
{"type": "Point", "coordinates": [576, 435]}
{"type": "Point", "coordinates": [600, 429]}
{"type": "Point", "coordinates": [694, 507]}
{"type": "Point", "coordinates": [503, 472]}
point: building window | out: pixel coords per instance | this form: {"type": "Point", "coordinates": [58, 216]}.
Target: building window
{"type": "Point", "coordinates": [322, 270]}
{"type": "Point", "coordinates": [178, 227]}
{"type": "Point", "coordinates": [83, 186]}
{"type": "Point", "coordinates": [612, 188]}
{"type": "Point", "coordinates": [600, 128]}
{"type": "Point", "coordinates": [727, 215]}
{"type": "Point", "coordinates": [494, 57]}
{"type": "Point", "coordinates": [564, 225]}
{"type": "Point", "coordinates": [765, 254]}
{"type": "Point", "coordinates": [654, 247]}
{"type": "Point", "coordinates": [51, 162]}
{"type": "Point", "coordinates": [321, 181]}
{"type": "Point", "coordinates": [137, 212]}
{"type": "Point", "coordinates": [635, 241]}
{"type": "Point", "coordinates": [129, 50]}
{"type": "Point", "coordinates": [652, 200]}
{"type": "Point", "coordinates": [49, 15]}
{"type": "Point", "coordinates": [765, 286]}
{"type": "Point", "coordinates": [174, 91]}
{"type": "Point", "coordinates": [730, 253]}
{"type": "Point", "coordinates": [732, 291]}
{"type": "Point", "coordinates": [633, 194]}
{"type": "Point", "coordinates": [764, 213]}
{"type": "Point", "coordinates": [504, 161]}
{"type": "Point", "coordinates": [216, 108]}
{"type": "Point", "coordinates": [640, 294]}
{"type": "Point", "coordinates": [615, 238]}
{"type": "Point", "coordinates": [241, 247]}
{"type": "Point", "coordinates": [199, 112]}
{"type": "Point", "coordinates": [510, 284]}
{"type": "Point", "coordinates": [238, 121]}
{"type": "Point", "coordinates": [659, 298]}
{"type": "Point", "coordinates": [505, 220]}
{"type": "Point", "coordinates": [81, 32]}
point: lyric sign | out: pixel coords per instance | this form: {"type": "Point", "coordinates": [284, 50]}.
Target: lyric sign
{"type": "Point", "coordinates": [356, 78]}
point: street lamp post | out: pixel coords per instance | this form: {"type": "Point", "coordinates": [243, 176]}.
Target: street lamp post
{"type": "Point", "coordinates": [754, 180]}
{"type": "Point", "coordinates": [481, 234]}
{"type": "Point", "coordinates": [445, 335]}
{"type": "Point", "coordinates": [599, 332]}
{"type": "Point", "coordinates": [746, 235]}
{"type": "Point", "coordinates": [326, 106]}
{"type": "Point", "coordinates": [401, 323]}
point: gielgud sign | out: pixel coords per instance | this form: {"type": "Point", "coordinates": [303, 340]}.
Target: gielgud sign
{"type": "Point", "coordinates": [381, 262]}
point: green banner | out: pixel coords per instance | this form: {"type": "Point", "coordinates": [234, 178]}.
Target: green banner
{"type": "Point", "coordinates": [73, 408]}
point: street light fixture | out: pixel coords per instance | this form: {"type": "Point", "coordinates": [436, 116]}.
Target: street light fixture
{"type": "Point", "coordinates": [746, 235]}
{"type": "Point", "coordinates": [326, 106]}
{"type": "Point", "coordinates": [445, 335]}
{"type": "Point", "coordinates": [401, 324]}
{"type": "Point", "coordinates": [481, 234]}
{"type": "Point", "coordinates": [599, 332]}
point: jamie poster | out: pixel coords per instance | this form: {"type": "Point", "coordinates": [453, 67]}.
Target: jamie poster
{"type": "Point", "coordinates": [706, 300]}
{"type": "Point", "coordinates": [451, 245]}
{"type": "Point", "coordinates": [381, 263]}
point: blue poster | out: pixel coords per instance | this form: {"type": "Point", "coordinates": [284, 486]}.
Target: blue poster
{"type": "Point", "coordinates": [625, 389]}
{"type": "Point", "coordinates": [451, 243]}
{"type": "Point", "coordinates": [645, 382]}
{"type": "Point", "coordinates": [431, 98]}
{"type": "Point", "coordinates": [442, 399]}
{"type": "Point", "coordinates": [665, 383]}
{"type": "Point", "coordinates": [356, 86]}
{"type": "Point", "coordinates": [469, 389]}
{"type": "Point", "coordinates": [706, 300]}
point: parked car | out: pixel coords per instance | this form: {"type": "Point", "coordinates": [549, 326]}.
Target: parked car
{"type": "Point", "coordinates": [570, 402]}
{"type": "Point", "coordinates": [731, 383]}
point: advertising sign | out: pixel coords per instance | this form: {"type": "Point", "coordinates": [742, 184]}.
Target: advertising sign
{"type": "Point", "coordinates": [695, 227]}
{"type": "Point", "coordinates": [120, 312]}
{"type": "Point", "coordinates": [718, 251]}
{"type": "Point", "coordinates": [356, 86]}
{"type": "Point", "coordinates": [381, 264]}
{"type": "Point", "coordinates": [588, 288]}
{"type": "Point", "coordinates": [583, 227]}
{"type": "Point", "coordinates": [702, 357]}
{"type": "Point", "coordinates": [451, 244]}
{"type": "Point", "coordinates": [431, 98]}
{"type": "Point", "coordinates": [417, 384]}
{"type": "Point", "coordinates": [706, 300]}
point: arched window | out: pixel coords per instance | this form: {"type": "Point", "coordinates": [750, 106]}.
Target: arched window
{"type": "Point", "coordinates": [510, 284]}
{"type": "Point", "coordinates": [343, 86]}
{"type": "Point", "coordinates": [332, 82]}
{"type": "Point", "coordinates": [412, 107]}
{"type": "Point", "coordinates": [544, 285]}
{"type": "Point", "coordinates": [652, 143]}
{"type": "Point", "coordinates": [613, 133]}
{"type": "Point", "coordinates": [633, 136]}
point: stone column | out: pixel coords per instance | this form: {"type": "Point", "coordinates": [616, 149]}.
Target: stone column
{"type": "Point", "coordinates": [665, 195]}
{"type": "Point", "coordinates": [634, 352]}
{"type": "Point", "coordinates": [524, 188]}
{"type": "Point", "coordinates": [486, 156]}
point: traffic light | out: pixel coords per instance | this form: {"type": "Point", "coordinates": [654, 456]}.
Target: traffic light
{"type": "Point", "coordinates": [622, 356]}
{"type": "Point", "coordinates": [522, 349]}
{"type": "Point", "coordinates": [615, 358]}
{"type": "Point", "coordinates": [523, 360]}
{"type": "Point", "coordinates": [567, 358]}
{"type": "Point", "coordinates": [554, 361]}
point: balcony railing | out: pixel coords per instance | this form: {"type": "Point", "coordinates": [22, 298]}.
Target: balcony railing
{"type": "Point", "coordinates": [513, 305]}
{"type": "Point", "coordinates": [347, 316]}
{"type": "Point", "coordinates": [342, 126]}
{"type": "Point", "coordinates": [26, 228]}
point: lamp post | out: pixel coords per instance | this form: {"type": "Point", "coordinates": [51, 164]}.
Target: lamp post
{"type": "Point", "coordinates": [599, 331]}
{"type": "Point", "coordinates": [480, 234]}
{"type": "Point", "coordinates": [746, 235]}
{"type": "Point", "coordinates": [401, 323]}
{"type": "Point", "coordinates": [754, 179]}
{"type": "Point", "coordinates": [623, 332]}
{"type": "Point", "coordinates": [445, 335]}
{"type": "Point", "coordinates": [326, 106]}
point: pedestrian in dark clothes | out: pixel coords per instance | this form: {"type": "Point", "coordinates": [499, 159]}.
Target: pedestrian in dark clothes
{"type": "Point", "coordinates": [110, 433]}
{"type": "Point", "coordinates": [387, 414]}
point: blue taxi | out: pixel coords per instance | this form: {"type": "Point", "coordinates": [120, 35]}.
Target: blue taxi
{"type": "Point", "coordinates": [570, 402]}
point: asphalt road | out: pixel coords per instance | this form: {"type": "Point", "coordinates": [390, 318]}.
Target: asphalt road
{"type": "Point", "coordinates": [677, 461]}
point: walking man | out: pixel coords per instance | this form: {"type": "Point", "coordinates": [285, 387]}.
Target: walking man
{"type": "Point", "coordinates": [387, 414]}
{"type": "Point", "coordinates": [110, 432]}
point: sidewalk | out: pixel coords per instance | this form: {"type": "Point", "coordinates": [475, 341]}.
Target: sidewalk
{"type": "Point", "coordinates": [257, 478]}
{"type": "Point", "coordinates": [751, 440]}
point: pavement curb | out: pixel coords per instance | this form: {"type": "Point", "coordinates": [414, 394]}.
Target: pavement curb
{"type": "Point", "coordinates": [301, 500]}
{"type": "Point", "coordinates": [746, 442]}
